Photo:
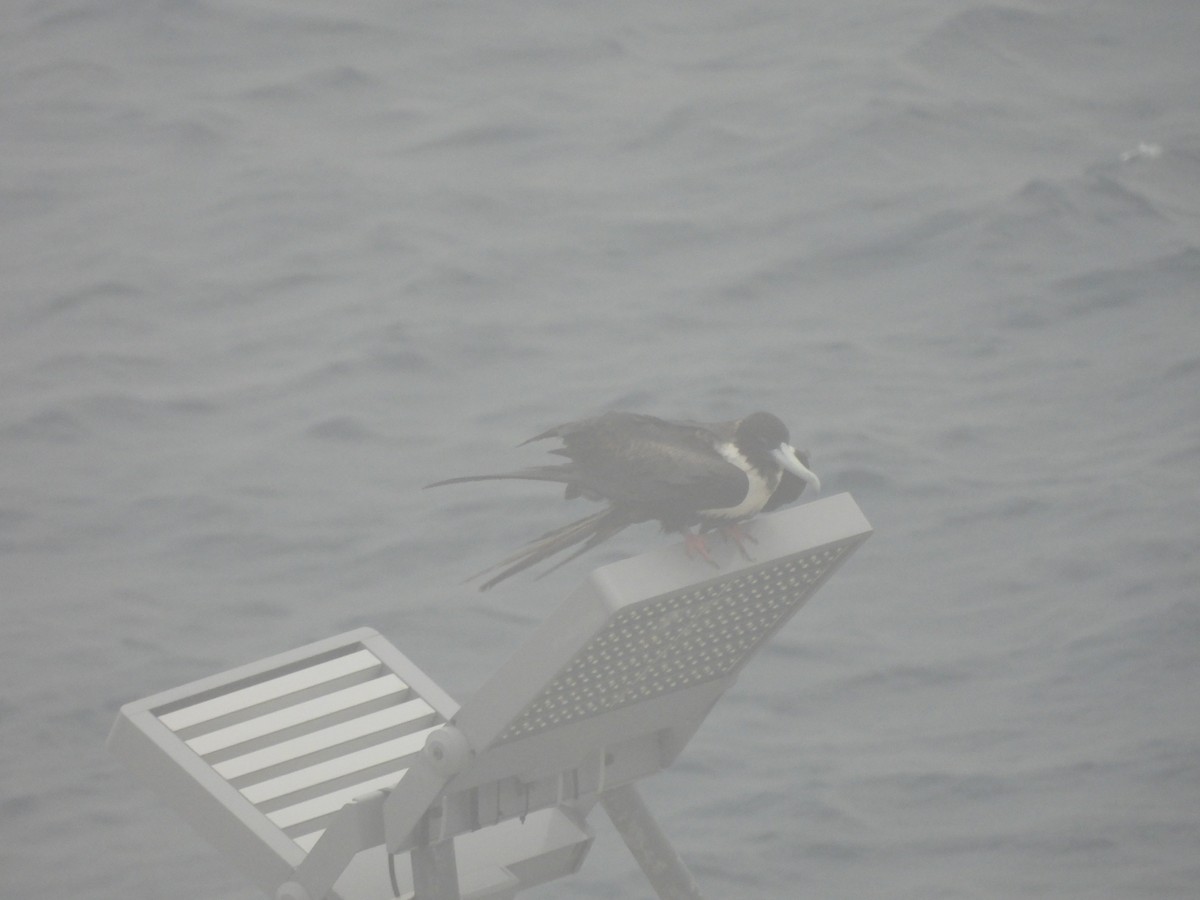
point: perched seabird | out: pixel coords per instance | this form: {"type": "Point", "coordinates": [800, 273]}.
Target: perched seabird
{"type": "Point", "coordinates": [682, 474]}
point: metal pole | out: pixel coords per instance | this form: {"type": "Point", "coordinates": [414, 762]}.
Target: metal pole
{"type": "Point", "coordinates": [435, 872]}
{"type": "Point", "coordinates": [663, 868]}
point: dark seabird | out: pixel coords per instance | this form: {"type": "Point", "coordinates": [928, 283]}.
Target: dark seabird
{"type": "Point", "coordinates": [682, 474]}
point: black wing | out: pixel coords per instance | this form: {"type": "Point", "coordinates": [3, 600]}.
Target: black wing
{"type": "Point", "coordinates": [668, 470]}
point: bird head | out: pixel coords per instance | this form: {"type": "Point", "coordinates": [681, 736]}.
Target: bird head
{"type": "Point", "coordinates": [762, 430]}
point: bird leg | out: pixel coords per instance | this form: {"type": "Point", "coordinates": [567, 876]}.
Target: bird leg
{"type": "Point", "coordinates": [695, 544]}
{"type": "Point", "coordinates": [739, 535]}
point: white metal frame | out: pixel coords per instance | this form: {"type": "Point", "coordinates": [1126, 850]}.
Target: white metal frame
{"type": "Point", "coordinates": [311, 768]}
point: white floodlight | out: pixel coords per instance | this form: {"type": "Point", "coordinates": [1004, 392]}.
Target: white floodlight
{"type": "Point", "coordinates": [316, 769]}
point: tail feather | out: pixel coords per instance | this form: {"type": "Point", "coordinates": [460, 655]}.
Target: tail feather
{"type": "Point", "coordinates": [589, 531]}
{"type": "Point", "coordinates": [601, 535]}
{"type": "Point", "coordinates": [560, 474]}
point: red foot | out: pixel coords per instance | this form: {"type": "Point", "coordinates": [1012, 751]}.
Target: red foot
{"type": "Point", "coordinates": [695, 544]}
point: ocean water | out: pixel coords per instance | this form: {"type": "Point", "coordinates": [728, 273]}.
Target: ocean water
{"type": "Point", "coordinates": [270, 267]}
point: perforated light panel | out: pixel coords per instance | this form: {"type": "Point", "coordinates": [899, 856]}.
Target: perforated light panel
{"type": "Point", "coordinates": [676, 640]}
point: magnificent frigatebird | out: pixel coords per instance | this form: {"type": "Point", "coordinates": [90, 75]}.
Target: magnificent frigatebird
{"type": "Point", "coordinates": [682, 474]}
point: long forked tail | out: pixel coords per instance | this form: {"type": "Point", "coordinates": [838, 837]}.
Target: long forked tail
{"type": "Point", "coordinates": [564, 474]}
{"type": "Point", "coordinates": [588, 531]}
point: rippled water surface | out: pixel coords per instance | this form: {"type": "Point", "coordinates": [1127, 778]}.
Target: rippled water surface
{"type": "Point", "coordinates": [271, 267]}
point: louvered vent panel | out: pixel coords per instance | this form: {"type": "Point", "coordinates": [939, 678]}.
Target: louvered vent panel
{"type": "Point", "coordinates": [299, 743]}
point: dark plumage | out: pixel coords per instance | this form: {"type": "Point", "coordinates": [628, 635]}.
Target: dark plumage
{"type": "Point", "coordinates": [681, 474]}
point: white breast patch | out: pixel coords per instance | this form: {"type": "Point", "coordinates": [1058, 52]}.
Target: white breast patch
{"type": "Point", "coordinates": [757, 496]}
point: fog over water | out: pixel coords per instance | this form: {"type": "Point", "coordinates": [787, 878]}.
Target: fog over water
{"type": "Point", "coordinates": [268, 268]}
